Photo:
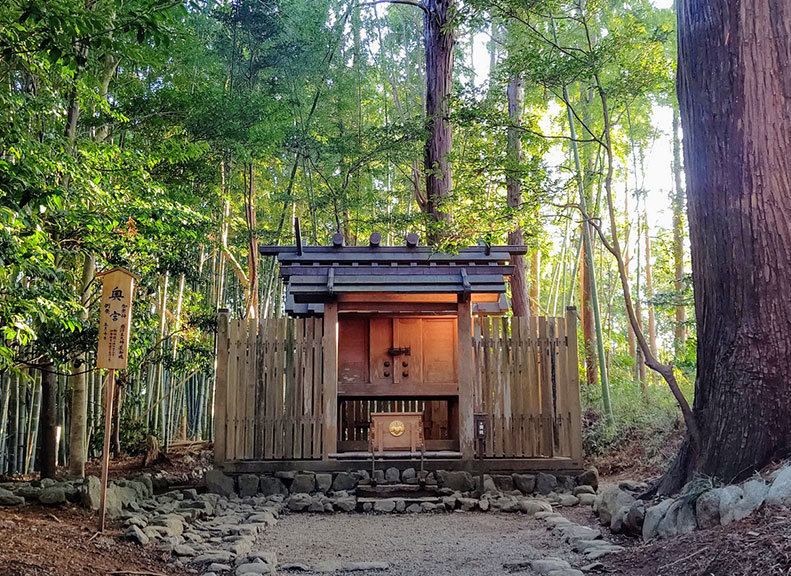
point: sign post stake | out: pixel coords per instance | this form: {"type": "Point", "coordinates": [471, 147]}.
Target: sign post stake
{"type": "Point", "coordinates": [109, 388]}
{"type": "Point", "coordinates": [115, 324]}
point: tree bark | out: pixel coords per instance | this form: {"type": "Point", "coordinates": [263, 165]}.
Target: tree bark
{"type": "Point", "coordinates": [680, 332]}
{"type": "Point", "coordinates": [440, 40]}
{"type": "Point", "coordinates": [48, 421]}
{"type": "Point", "coordinates": [734, 85]}
{"type": "Point", "coordinates": [520, 300]}
{"type": "Point", "coordinates": [587, 321]}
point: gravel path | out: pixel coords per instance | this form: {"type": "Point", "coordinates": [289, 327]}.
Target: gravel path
{"type": "Point", "coordinates": [416, 544]}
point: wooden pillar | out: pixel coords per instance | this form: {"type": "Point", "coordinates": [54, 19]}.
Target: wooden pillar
{"type": "Point", "coordinates": [465, 368]}
{"type": "Point", "coordinates": [575, 427]}
{"type": "Point", "coordinates": [221, 386]}
{"type": "Point", "coordinates": [329, 427]}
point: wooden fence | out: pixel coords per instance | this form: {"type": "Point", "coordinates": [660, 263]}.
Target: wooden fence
{"type": "Point", "coordinates": [270, 381]}
{"type": "Point", "coordinates": [269, 385]}
{"type": "Point", "coordinates": [526, 386]}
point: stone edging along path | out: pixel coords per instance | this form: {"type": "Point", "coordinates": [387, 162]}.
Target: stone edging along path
{"type": "Point", "coordinates": [215, 532]}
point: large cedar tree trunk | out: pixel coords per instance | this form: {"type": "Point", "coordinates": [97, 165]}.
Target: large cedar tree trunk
{"type": "Point", "coordinates": [734, 84]}
{"type": "Point", "coordinates": [440, 40]}
{"type": "Point", "coordinates": [48, 420]}
{"type": "Point", "coordinates": [520, 301]}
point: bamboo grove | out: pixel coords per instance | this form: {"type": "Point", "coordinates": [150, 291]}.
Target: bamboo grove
{"type": "Point", "coordinates": [173, 139]}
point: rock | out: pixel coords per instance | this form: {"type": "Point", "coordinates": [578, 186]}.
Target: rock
{"type": "Point", "coordinates": [409, 476]}
{"type": "Point", "coordinates": [525, 483]}
{"type": "Point", "coordinates": [316, 506]}
{"type": "Point", "coordinates": [392, 475]}
{"type": "Point", "coordinates": [190, 494]}
{"type": "Point", "coordinates": [483, 505]}
{"type": "Point", "coordinates": [323, 483]}
{"type": "Point", "coordinates": [611, 499]}
{"type": "Point", "coordinates": [633, 524]}
{"type": "Point", "coordinates": [52, 496]}
{"type": "Point", "coordinates": [286, 475]}
{"type": "Point", "coordinates": [458, 481]}
{"type": "Point", "coordinates": [546, 483]}
{"type": "Point", "coordinates": [384, 506]}
{"type": "Point", "coordinates": [504, 482]}
{"type": "Point", "coordinates": [218, 483]}
{"type": "Point", "coordinates": [755, 492]}
{"type": "Point", "coordinates": [618, 520]}
{"type": "Point", "coordinates": [212, 556]}
{"type": "Point", "coordinates": [29, 492]}
{"type": "Point", "coordinates": [218, 567]}
{"type": "Point", "coordinates": [413, 508]}
{"type": "Point", "coordinates": [248, 485]}
{"type": "Point", "coordinates": [343, 481]}
{"type": "Point", "coordinates": [547, 565]}
{"type": "Point", "coordinates": [91, 492]}
{"type": "Point", "coordinates": [299, 502]}
{"type": "Point", "coordinates": [467, 504]}
{"type": "Point", "coordinates": [345, 503]}
{"type": "Point", "coordinates": [584, 489]}
{"type": "Point", "coordinates": [532, 506]}
{"type": "Point", "coordinates": [428, 506]}
{"type": "Point", "coordinates": [653, 516]}
{"type": "Point", "coordinates": [304, 483]}
{"type": "Point", "coordinates": [270, 486]}
{"type": "Point", "coordinates": [173, 525]}
{"type": "Point", "coordinates": [255, 568]}
{"type": "Point", "coordinates": [115, 500]}
{"type": "Point", "coordinates": [489, 487]}
{"type": "Point", "coordinates": [184, 550]}
{"type": "Point", "coordinates": [379, 477]}
{"type": "Point", "coordinates": [707, 509]}
{"type": "Point", "coordinates": [568, 500]}
{"type": "Point", "coordinates": [779, 493]}
{"type": "Point", "coordinates": [679, 519]}
{"type": "Point", "coordinates": [135, 534]}
{"type": "Point", "coordinates": [589, 478]}
{"type": "Point", "coordinates": [566, 483]}
{"type": "Point", "coordinates": [632, 486]}
{"type": "Point", "coordinates": [730, 496]}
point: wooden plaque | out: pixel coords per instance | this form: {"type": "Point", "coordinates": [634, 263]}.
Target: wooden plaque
{"type": "Point", "coordinates": [115, 318]}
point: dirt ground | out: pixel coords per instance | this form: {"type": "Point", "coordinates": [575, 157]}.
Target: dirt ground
{"type": "Point", "coordinates": [62, 541]}
{"type": "Point", "coordinates": [458, 544]}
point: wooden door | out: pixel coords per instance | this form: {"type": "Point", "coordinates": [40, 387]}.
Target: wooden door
{"type": "Point", "coordinates": [407, 353]}
{"type": "Point", "coordinates": [381, 341]}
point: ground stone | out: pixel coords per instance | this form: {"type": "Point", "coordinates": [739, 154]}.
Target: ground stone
{"type": "Point", "coordinates": [135, 534]}
{"type": "Point", "coordinates": [91, 493]}
{"type": "Point", "coordinates": [385, 506]}
{"type": "Point", "coordinates": [413, 508]}
{"type": "Point", "coordinates": [345, 503]}
{"type": "Point", "coordinates": [525, 483]}
{"type": "Point", "coordinates": [587, 499]}
{"type": "Point", "coordinates": [409, 476]}
{"type": "Point", "coordinates": [547, 565]}
{"type": "Point", "coordinates": [299, 502]}
{"type": "Point", "coordinates": [779, 493]}
{"type": "Point", "coordinates": [589, 478]}
{"type": "Point", "coordinates": [504, 482]}
{"type": "Point", "coordinates": [568, 500]}
{"type": "Point", "coordinates": [343, 481]}
{"type": "Point", "coordinates": [184, 550]}
{"type": "Point", "coordinates": [218, 483]}
{"type": "Point", "coordinates": [392, 475]}
{"type": "Point", "coordinates": [730, 496]}
{"type": "Point", "coordinates": [270, 486]}
{"type": "Point", "coordinates": [611, 498]}
{"type": "Point", "coordinates": [52, 496]}
{"type": "Point", "coordinates": [458, 481]}
{"type": "Point", "coordinates": [303, 484]}
{"type": "Point", "coordinates": [546, 483]}
{"type": "Point", "coordinates": [323, 483]}
{"type": "Point", "coordinates": [255, 568]}
{"type": "Point", "coordinates": [707, 509]}
{"type": "Point", "coordinates": [633, 524]}
{"type": "Point", "coordinates": [532, 506]}
{"type": "Point", "coordinates": [755, 492]}
{"type": "Point", "coordinates": [583, 489]}
{"type": "Point", "coordinates": [653, 516]}
{"type": "Point", "coordinates": [248, 485]}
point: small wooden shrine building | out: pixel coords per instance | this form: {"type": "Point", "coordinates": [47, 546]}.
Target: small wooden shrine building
{"type": "Point", "coordinates": [374, 329]}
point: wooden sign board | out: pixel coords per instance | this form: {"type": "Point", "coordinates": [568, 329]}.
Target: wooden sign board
{"type": "Point", "coordinates": [115, 318]}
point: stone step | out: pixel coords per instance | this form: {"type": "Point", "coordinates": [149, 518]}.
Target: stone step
{"type": "Point", "coordinates": [408, 500]}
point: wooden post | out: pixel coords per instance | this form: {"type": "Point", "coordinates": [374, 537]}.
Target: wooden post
{"type": "Point", "coordinates": [221, 386]}
{"type": "Point", "coordinates": [466, 400]}
{"type": "Point", "coordinates": [330, 385]}
{"type": "Point", "coordinates": [109, 394]}
{"type": "Point", "coordinates": [575, 426]}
